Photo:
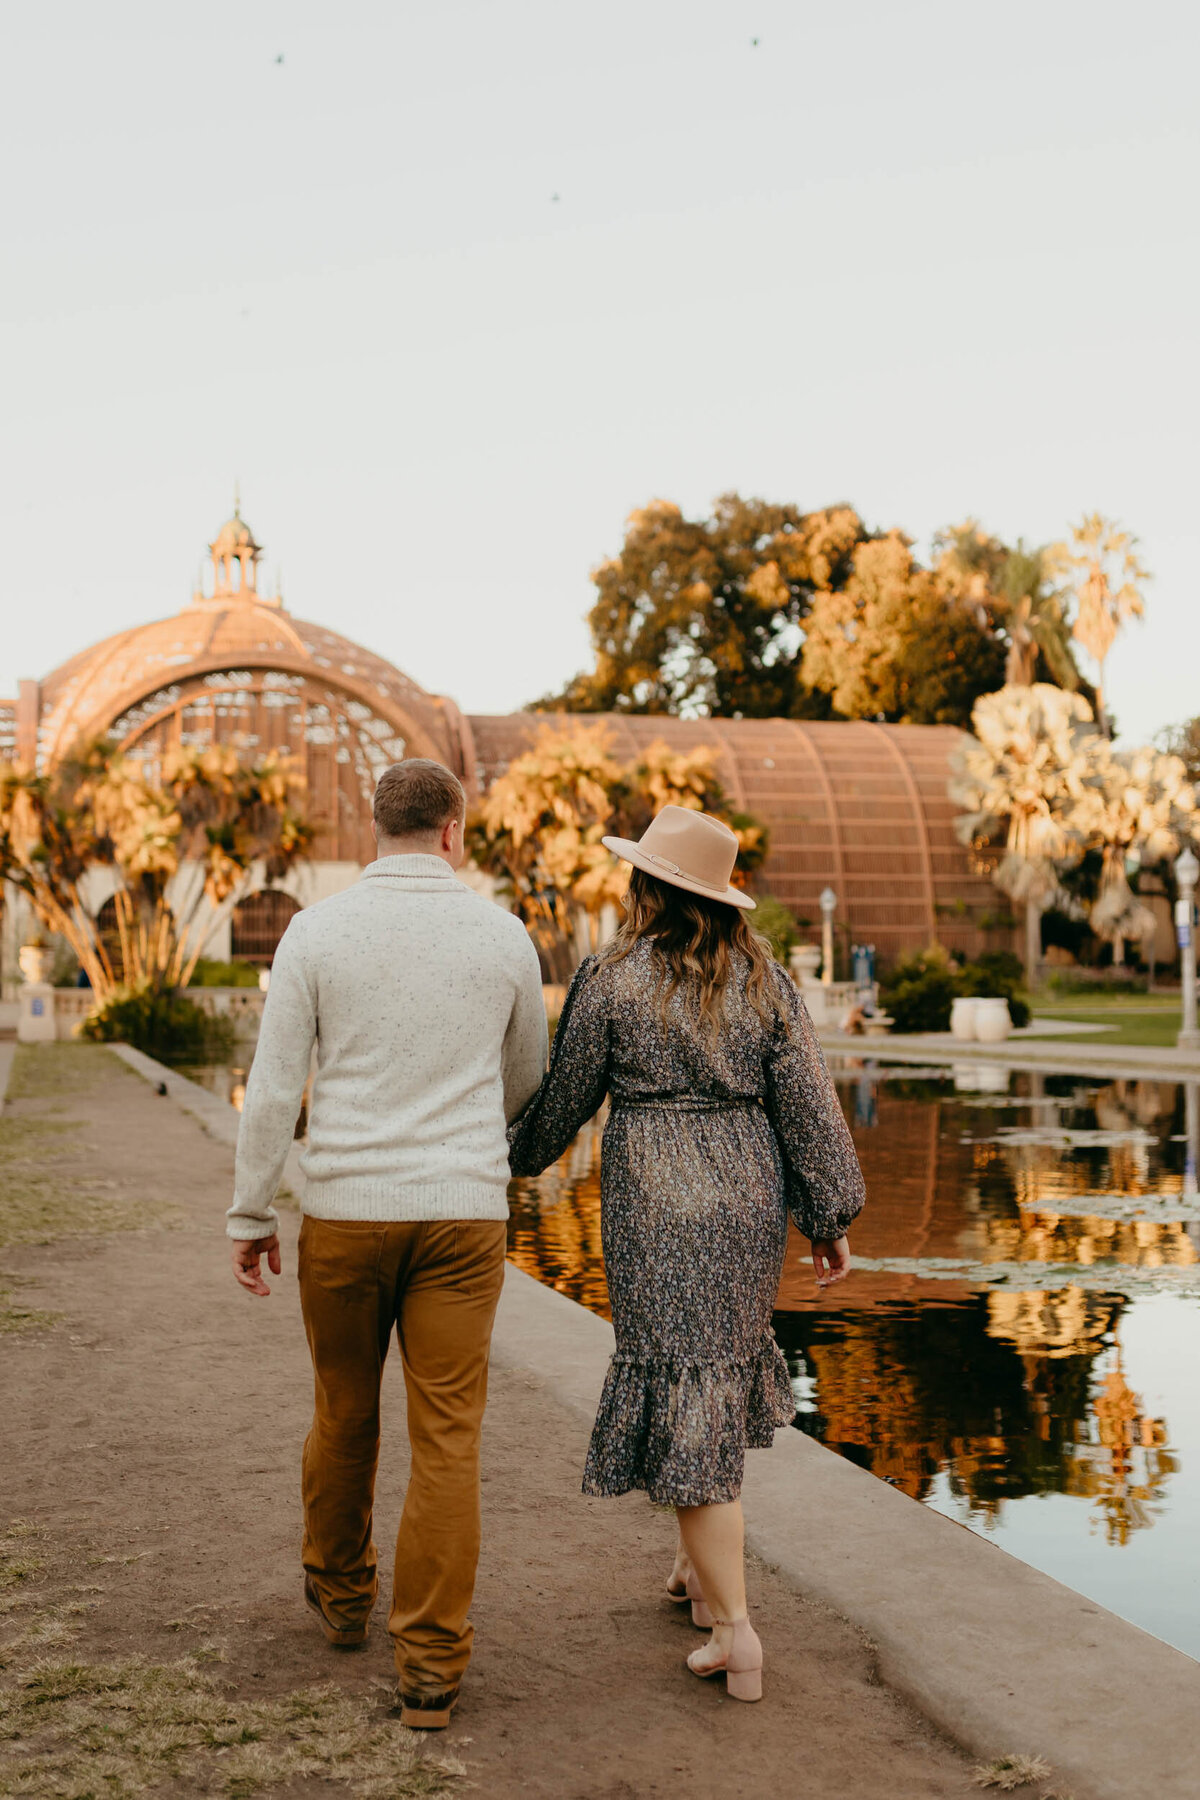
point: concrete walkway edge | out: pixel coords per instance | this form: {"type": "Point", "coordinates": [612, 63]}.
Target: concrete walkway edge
{"type": "Point", "coordinates": [1053, 1056]}
{"type": "Point", "coordinates": [997, 1655]}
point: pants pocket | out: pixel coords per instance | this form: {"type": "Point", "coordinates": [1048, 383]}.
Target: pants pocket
{"type": "Point", "coordinates": [341, 1258]}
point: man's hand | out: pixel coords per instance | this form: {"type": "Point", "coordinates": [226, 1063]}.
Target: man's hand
{"type": "Point", "coordinates": [831, 1260]}
{"type": "Point", "coordinates": [246, 1254]}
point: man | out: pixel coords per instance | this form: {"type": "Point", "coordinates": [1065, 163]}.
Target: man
{"type": "Point", "coordinates": [424, 1002]}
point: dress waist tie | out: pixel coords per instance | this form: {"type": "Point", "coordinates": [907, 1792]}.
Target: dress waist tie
{"type": "Point", "coordinates": [687, 1102]}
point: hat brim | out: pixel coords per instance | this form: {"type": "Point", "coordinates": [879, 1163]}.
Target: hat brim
{"type": "Point", "coordinates": [629, 852]}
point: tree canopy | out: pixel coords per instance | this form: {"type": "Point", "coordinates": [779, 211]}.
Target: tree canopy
{"type": "Point", "coordinates": [701, 616]}
{"type": "Point", "coordinates": [898, 643]}
{"type": "Point", "coordinates": [762, 610]}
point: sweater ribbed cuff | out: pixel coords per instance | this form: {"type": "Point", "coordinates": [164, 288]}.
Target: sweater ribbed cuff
{"type": "Point", "coordinates": [394, 1202]}
{"type": "Point", "coordinates": [251, 1225]}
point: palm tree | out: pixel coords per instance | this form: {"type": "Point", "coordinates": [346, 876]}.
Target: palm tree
{"type": "Point", "coordinates": [179, 852]}
{"type": "Point", "coordinates": [1013, 588]}
{"type": "Point", "coordinates": [1106, 574]}
{"type": "Point", "coordinates": [1035, 620]}
{"type": "Point", "coordinates": [1023, 774]}
{"type": "Point", "coordinates": [1136, 804]}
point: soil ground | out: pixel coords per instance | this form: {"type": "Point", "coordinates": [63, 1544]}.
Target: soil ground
{"type": "Point", "coordinates": [152, 1445]}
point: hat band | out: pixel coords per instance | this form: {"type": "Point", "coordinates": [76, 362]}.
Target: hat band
{"type": "Point", "coordinates": [714, 887]}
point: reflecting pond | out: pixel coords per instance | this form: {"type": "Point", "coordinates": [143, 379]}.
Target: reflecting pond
{"type": "Point", "coordinates": [1019, 1343]}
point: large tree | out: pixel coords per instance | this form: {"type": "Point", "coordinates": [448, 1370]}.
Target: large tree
{"type": "Point", "coordinates": [897, 642]}
{"type": "Point", "coordinates": [704, 616]}
{"type": "Point", "coordinates": [763, 611]}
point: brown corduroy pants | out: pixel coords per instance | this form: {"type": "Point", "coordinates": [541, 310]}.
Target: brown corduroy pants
{"type": "Point", "coordinates": [437, 1283]}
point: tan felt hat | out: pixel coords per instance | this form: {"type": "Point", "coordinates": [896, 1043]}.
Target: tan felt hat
{"type": "Point", "coordinates": [690, 850]}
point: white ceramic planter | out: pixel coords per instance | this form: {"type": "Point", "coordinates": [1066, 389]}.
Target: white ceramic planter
{"type": "Point", "coordinates": [962, 1018]}
{"type": "Point", "coordinates": [993, 1022]}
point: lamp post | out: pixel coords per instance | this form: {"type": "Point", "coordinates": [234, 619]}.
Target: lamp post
{"type": "Point", "coordinates": [828, 908]}
{"type": "Point", "coordinates": [1186, 871]}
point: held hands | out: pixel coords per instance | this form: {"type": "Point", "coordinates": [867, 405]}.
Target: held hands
{"type": "Point", "coordinates": [246, 1254]}
{"type": "Point", "coordinates": [831, 1259]}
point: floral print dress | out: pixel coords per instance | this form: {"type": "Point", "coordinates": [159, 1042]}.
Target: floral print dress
{"type": "Point", "coordinates": [707, 1147]}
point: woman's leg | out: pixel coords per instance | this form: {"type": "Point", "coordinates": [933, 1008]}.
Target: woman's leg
{"type": "Point", "coordinates": [682, 1565]}
{"type": "Point", "coordinates": [713, 1538]}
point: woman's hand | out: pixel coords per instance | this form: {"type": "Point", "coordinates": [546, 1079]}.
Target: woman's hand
{"type": "Point", "coordinates": [831, 1259]}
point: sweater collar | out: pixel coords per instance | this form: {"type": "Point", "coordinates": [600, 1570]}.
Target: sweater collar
{"type": "Point", "coordinates": [410, 868]}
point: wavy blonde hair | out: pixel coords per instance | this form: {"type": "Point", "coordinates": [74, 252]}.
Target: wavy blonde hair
{"type": "Point", "coordinates": [697, 946]}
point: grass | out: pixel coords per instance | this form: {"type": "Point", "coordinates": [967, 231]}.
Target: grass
{"type": "Point", "coordinates": [47, 1189]}
{"type": "Point", "coordinates": [51, 1071]}
{"type": "Point", "coordinates": [14, 1318]}
{"type": "Point", "coordinates": [45, 1196]}
{"type": "Point", "coordinates": [1009, 1772]}
{"type": "Point", "coordinates": [1131, 1018]}
{"type": "Point", "coordinates": [75, 1729]}
{"type": "Point", "coordinates": [78, 1730]}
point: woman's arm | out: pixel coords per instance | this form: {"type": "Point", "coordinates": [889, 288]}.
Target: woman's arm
{"type": "Point", "coordinates": [824, 1182]}
{"type": "Point", "coordinates": [575, 1084]}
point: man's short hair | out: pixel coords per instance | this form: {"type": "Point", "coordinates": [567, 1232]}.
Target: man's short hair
{"type": "Point", "coordinates": [416, 798]}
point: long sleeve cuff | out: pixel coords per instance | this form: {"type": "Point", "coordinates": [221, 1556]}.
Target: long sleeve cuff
{"type": "Point", "coordinates": [241, 1223]}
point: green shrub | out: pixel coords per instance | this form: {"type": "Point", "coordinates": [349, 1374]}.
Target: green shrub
{"type": "Point", "coordinates": [919, 989]}
{"type": "Point", "coordinates": [162, 1022]}
{"type": "Point", "coordinates": [208, 973]}
{"type": "Point", "coordinates": [997, 974]}
{"type": "Point", "coordinates": [1098, 982]}
{"type": "Point", "coordinates": [778, 924]}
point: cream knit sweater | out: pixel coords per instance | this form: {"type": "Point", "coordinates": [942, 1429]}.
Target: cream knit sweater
{"type": "Point", "coordinates": [424, 1002]}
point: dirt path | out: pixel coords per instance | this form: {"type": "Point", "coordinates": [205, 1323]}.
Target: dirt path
{"type": "Point", "coordinates": [152, 1441]}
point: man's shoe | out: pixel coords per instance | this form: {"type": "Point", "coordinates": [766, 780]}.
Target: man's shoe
{"type": "Point", "coordinates": [343, 1637]}
{"type": "Point", "coordinates": [427, 1712]}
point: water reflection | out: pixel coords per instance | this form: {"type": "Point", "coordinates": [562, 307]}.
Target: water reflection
{"type": "Point", "coordinates": [975, 1358]}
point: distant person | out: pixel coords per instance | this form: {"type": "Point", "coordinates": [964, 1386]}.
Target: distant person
{"type": "Point", "coordinates": [723, 1118]}
{"type": "Point", "coordinates": [424, 1003]}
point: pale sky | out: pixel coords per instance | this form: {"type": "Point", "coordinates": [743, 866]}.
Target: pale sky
{"type": "Point", "coordinates": [931, 259]}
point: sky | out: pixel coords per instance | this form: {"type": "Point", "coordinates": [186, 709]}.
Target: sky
{"type": "Point", "coordinates": [451, 289]}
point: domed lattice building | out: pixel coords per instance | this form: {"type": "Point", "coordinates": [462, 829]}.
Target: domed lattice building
{"type": "Point", "coordinates": [858, 807]}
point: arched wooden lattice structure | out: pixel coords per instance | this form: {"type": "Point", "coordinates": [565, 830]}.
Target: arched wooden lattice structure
{"type": "Point", "coordinates": [858, 807]}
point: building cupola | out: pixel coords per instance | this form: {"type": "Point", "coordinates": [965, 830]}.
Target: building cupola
{"type": "Point", "coordinates": [235, 556]}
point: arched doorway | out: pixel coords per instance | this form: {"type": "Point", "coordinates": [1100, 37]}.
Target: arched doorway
{"type": "Point", "coordinates": [109, 934]}
{"type": "Point", "coordinates": [259, 921]}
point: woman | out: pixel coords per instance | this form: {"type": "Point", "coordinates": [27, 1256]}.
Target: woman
{"type": "Point", "coordinates": [723, 1118]}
